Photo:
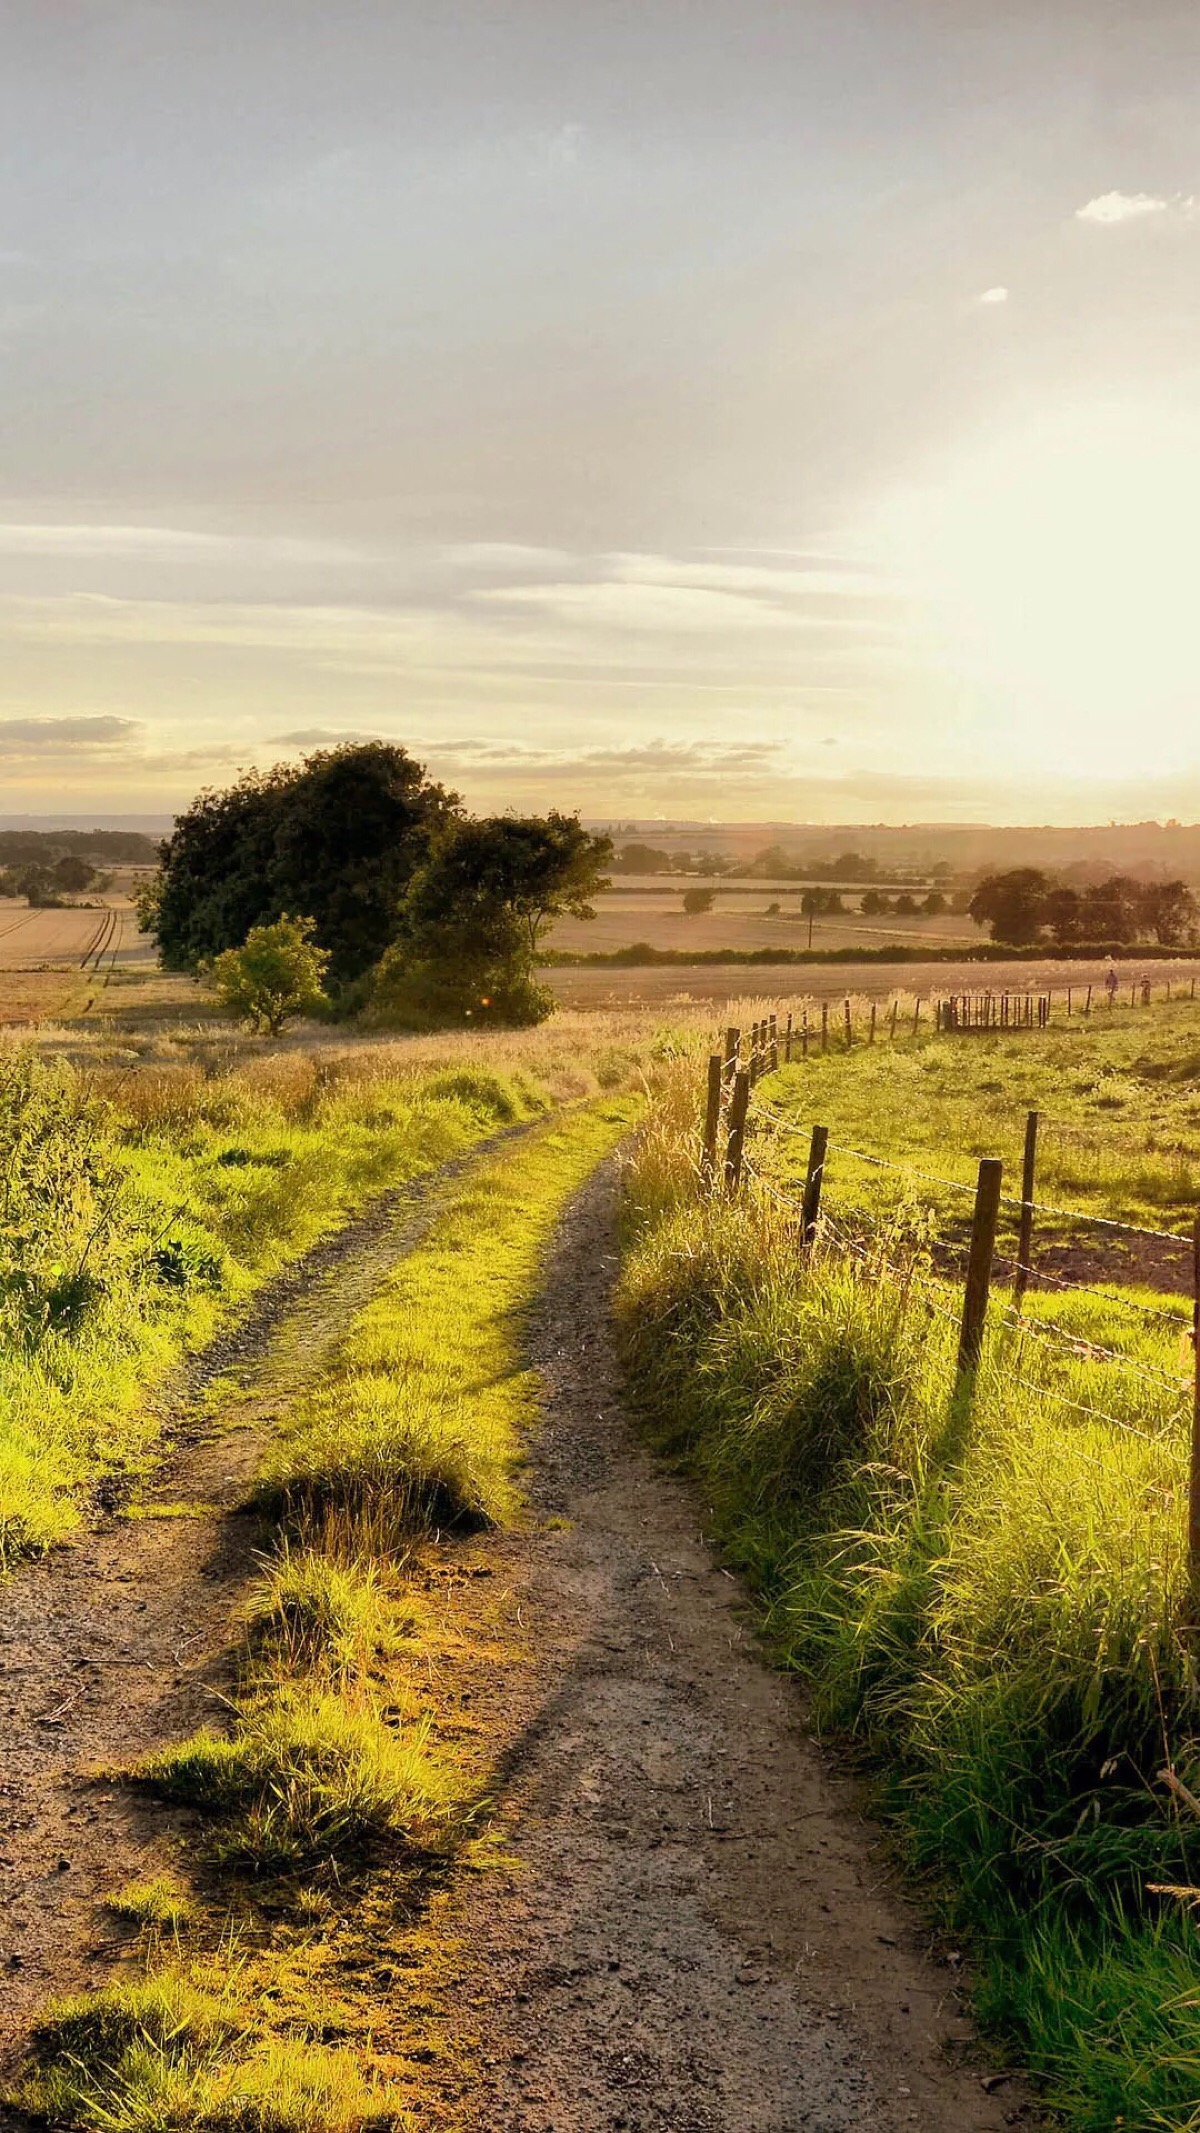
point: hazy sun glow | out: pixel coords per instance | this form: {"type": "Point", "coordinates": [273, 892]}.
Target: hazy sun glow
{"type": "Point", "coordinates": [1056, 566]}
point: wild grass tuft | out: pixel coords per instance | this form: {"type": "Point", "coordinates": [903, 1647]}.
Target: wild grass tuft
{"type": "Point", "coordinates": [309, 1774]}
{"type": "Point", "coordinates": [164, 2056]}
{"type": "Point", "coordinates": [159, 1904]}
{"type": "Point", "coordinates": [314, 1613]}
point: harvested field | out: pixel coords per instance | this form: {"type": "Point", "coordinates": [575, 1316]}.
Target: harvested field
{"type": "Point", "coordinates": [653, 911]}
{"type": "Point", "coordinates": [665, 986]}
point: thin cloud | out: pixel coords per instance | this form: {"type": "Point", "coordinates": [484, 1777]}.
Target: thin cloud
{"type": "Point", "coordinates": [998, 295]}
{"type": "Point", "coordinates": [67, 736]}
{"type": "Point", "coordinates": [1112, 210]}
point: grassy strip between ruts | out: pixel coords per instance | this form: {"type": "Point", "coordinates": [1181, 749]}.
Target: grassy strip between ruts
{"type": "Point", "coordinates": [134, 1222]}
{"type": "Point", "coordinates": [335, 1805]}
{"type": "Point", "coordinates": [988, 1597]}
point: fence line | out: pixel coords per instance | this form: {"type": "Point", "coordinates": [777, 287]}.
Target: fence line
{"type": "Point", "coordinates": [816, 1225]}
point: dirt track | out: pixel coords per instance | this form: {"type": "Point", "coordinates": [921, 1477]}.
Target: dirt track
{"type": "Point", "coordinates": [693, 1929]}
{"type": "Point", "coordinates": [700, 1933]}
{"type": "Point", "coordinates": [116, 1645]}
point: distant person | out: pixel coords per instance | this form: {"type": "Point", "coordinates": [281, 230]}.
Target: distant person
{"type": "Point", "coordinates": [1110, 984]}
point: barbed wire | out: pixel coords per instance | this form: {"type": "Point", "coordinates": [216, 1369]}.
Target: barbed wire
{"type": "Point", "coordinates": [787, 1131]}
{"type": "Point", "coordinates": [1058, 1343]}
{"type": "Point", "coordinates": [1039, 1274]}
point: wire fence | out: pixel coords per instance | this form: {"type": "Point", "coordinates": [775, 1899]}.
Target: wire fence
{"type": "Point", "coordinates": [1128, 1389]}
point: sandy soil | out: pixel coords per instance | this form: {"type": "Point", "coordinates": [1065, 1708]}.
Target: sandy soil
{"type": "Point", "coordinates": [697, 1931]}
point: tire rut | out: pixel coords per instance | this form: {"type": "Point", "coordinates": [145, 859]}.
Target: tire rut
{"type": "Point", "coordinates": [118, 1644]}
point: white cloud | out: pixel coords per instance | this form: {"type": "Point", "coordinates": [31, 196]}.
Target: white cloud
{"type": "Point", "coordinates": [1110, 210]}
{"type": "Point", "coordinates": [998, 295]}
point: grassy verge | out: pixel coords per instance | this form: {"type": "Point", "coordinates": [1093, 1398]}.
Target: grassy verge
{"type": "Point", "coordinates": [338, 1800]}
{"type": "Point", "coordinates": [135, 1221]}
{"type": "Point", "coordinates": [987, 1597]}
{"type": "Point", "coordinates": [1119, 1097]}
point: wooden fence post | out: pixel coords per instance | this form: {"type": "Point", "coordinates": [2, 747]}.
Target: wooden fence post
{"type": "Point", "coordinates": [773, 1026]}
{"type": "Point", "coordinates": [979, 1266]}
{"type": "Point", "coordinates": [1025, 1234]}
{"type": "Point", "coordinates": [733, 1045]}
{"type": "Point", "coordinates": [804, 1033]}
{"type": "Point", "coordinates": [849, 1025]}
{"type": "Point", "coordinates": [895, 1012]}
{"type": "Point", "coordinates": [735, 1146]}
{"type": "Point", "coordinates": [787, 1041]}
{"type": "Point", "coordinates": [871, 1031]}
{"type": "Point", "coordinates": [824, 1025]}
{"type": "Point", "coordinates": [917, 1015]}
{"type": "Point", "coordinates": [1194, 1485]}
{"type": "Point", "coordinates": [813, 1182]}
{"type": "Point", "coordinates": [712, 1119]}
{"type": "Point", "coordinates": [1087, 1005]}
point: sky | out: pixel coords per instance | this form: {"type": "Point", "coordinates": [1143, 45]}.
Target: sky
{"type": "Point", "coordinates": [719, 409]}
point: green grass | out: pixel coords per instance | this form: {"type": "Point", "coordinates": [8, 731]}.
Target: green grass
{"type": "Point", "coordinates": [1119, 1098]}
{"type": "Point", "coordinates": [330, 1779]}
{"type": "Point", "coordinates": [162, 1206]}
{"type": "Point", "coordinates": [987, 1596]}
{"type": "Point", "coordinates": [167, 2056]}
{"type": "Point", "coordinates": [417, 1424]}
{"type": "Point", "coordinates": [159, 1903]}
{"type": "Point", "coordinates": [311, 1774]}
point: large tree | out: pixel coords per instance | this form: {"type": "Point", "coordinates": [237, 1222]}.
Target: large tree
{"type": "Point", "coordinates": [474, 916]}
{"type": "Point", "coordinates": [338, 837]}
{"type": "Point", "coordinates": [1012, 904]}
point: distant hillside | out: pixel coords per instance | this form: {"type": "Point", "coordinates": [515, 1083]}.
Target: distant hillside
{"type": "Point", "coordinates": [102, 847]}
{"type": "Point", "coordinates": [1172, 848]}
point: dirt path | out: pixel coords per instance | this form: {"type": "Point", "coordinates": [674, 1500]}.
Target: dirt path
{"type": "Point", "coordinates": [695, 1931]}
{"type": "Point", "coordinates": [115, 1645]}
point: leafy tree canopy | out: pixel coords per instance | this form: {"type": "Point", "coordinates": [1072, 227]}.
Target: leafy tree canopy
{"type": "Point", "coordinates": [339, 836]}
{"type": "Point", "coordinates": [475, 913]}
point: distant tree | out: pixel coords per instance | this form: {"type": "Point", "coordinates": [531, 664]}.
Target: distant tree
{"type": "Point", "coordinates": [1061, 913]}
{"type": "Point", "coordinates": [339, 836]}
{"type": "Point", "coordinates": [1170, 913]}
{"type": "Point", "coordinates": [38, 886]}
{"type": "Point", "coordinates": [1011, 904]}
{"type": "Point", "coordinates": [772, 910]}
{"type": "Point", "coordinates": [697, 901]}
{"type": "Point", "coordinates": [772, 861]}
{"type": "Point", "coordinates": [934, 904]}
{"type": "Point", "coordinates": [474, 915]}
{"type": "Point", "coordinates": [1112, 910]}
{"type": "Point", "coordinates": [276, 974]}
{"type": "Point", "coordinates": [853, 866]}
{"type": "Point", "coordinates": [641, 859]}
{"type": "Point", "coordinates": [873, 903]}
{"type": "Point", "coordinates": [357, 823]}
{"type": "Point", "coordinates": [72, 874]}
{"type": "Point", "coordinates": [905, 905]}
